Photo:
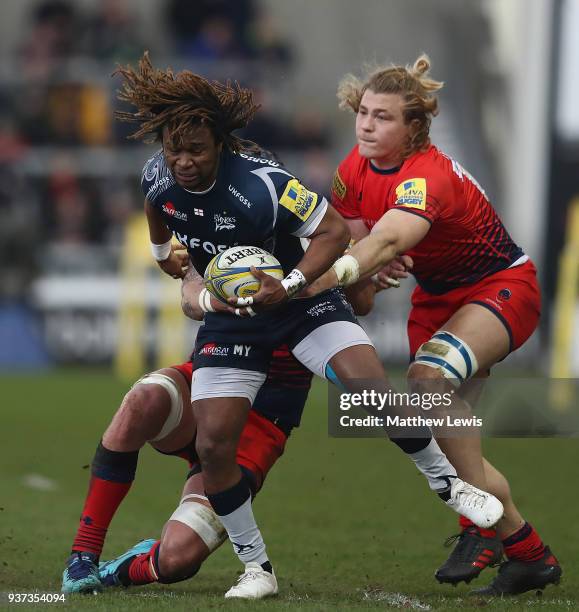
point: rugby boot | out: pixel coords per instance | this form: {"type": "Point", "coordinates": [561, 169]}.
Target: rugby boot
{"type": "Point", "coordinates": [482, 508]}
{"type": "Point", "coordinates": [254, 583]}
{"type": "Point", "coordinates": [109, 570]}
{"type": "Point", "coordinates": [81, 574]}
{"type": "Point", "coordinates": [472, 553]}
{"type": "Point", "coordinates": [516, 577]}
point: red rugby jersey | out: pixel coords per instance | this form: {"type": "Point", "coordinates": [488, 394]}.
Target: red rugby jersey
{"type": "Point", "coordinates": [466, 242]}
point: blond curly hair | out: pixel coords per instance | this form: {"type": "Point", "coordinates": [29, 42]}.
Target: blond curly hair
{"type": "Point", "coordinates": [413, 83]}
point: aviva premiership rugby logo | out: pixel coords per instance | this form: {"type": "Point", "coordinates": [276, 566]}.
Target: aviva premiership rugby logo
{"type": "Point", "coordinates": [412, 193]}
{"type": "Point", "coordinates": [299, 200]}
{"type": "Point", "coordinates": [223, 222]}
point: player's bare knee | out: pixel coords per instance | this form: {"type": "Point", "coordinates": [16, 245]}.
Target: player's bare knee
{"type": "Point", "coordinates": [418, 371]}
{"type": "Point", "coordinates": [157, 400]}
{"type": "Point", "coordinates": [176, 559]}
{"type": "Point", "coordinates": [214, 451]}
{"type": "Point", "coordinates": [132, 422]}
{"type": "Point", "coordinates": [144, 409]}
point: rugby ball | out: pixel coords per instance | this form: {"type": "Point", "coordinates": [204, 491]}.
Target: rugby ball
{"type": "Point", "coordinates": [228, 275]}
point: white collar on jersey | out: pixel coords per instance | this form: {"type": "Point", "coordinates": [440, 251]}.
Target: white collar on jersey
{"type": "Point", "coordinates": [202, 192]}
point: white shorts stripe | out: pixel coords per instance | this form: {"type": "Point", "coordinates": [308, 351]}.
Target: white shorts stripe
{"type": "Point", "coordinates": [225, 382]}
{"type": "Point", "coordinates": [318, 347]}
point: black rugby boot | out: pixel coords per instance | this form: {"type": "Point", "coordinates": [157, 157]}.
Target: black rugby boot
{"type": "Point", "coordinates": [472, 553]}
{"type": "Point", "coordinates": [516, 577]}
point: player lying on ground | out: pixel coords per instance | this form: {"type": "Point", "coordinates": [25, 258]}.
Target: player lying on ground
{"type": "Point", "coordinates": [202, 174]}
{"type": "Point", "coordinates": [156, 410]}
{"type": "Point", "coordinates": [477, 298]}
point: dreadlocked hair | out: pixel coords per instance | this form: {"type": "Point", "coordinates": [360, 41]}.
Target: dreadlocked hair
{"type": "Point", "coordinates": [181, 102]}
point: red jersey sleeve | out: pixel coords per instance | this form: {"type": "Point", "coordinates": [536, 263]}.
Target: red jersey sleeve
{"type": "Point", "coordinates": [426, 194]}
{"type": "Point", "coordinates": [344, 190]}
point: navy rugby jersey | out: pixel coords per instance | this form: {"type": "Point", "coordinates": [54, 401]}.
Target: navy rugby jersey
{"type": "Point", "coordinates": [255, 201]}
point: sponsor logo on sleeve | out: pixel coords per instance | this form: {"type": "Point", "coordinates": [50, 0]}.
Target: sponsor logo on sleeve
{"type": "Point", "coordinates": [412, 193]}
{"type": "Point", "coordinates": [338, 186]}
{"type": "Point", "coordinates": [299, 200]}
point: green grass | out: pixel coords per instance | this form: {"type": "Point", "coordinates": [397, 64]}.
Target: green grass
{"type": "Point", "coordinates": [348, 523]}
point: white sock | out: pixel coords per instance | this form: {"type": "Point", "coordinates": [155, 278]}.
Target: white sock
{"type": "Point", "coordinates": [244, 534]}
{"type": "Point", "coordinates": [432, 462]}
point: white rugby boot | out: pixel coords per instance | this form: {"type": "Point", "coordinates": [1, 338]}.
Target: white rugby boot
{"type": "Point", "coordinates": [254, 583]}
{"type": "Point", "coordinates": [482, 508]}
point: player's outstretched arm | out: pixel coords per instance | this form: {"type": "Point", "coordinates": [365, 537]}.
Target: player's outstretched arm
{"type": "Point", "coordinates": [394, 234]}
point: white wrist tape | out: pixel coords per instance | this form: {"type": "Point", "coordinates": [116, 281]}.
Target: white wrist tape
{"type": "Point", "coordinates": [161, 251]}
{"type": "Point", "coordinates": [294, 282]}
{"type": "Point", "coordinates": [205, 301]}
{"type": "Point", "coordinates": [347, 270]}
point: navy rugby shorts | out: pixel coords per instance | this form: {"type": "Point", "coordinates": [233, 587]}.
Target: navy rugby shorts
{"type": "Point", "coordinates": [227, 341]}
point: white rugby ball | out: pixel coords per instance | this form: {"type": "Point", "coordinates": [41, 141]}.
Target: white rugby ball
{"type": "Point", "coordinates": [228, 275]}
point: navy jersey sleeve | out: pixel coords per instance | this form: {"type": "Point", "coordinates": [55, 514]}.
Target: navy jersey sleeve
{"type": "Point", "coordinates": [156, 177]}
{"type": "Point", "coordinates": [297, 210]}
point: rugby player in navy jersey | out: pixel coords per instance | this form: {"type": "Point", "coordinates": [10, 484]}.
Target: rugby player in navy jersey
{"type": "Point", "coordinates": [213, 191]}
{"type": "Point", "coordinates": [156, 410]}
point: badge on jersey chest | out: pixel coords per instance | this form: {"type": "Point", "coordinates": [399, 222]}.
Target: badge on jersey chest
{"type": "Point", "coordinates": [412, 193]}
{"type": "Point", "coordinates": [299, 200]}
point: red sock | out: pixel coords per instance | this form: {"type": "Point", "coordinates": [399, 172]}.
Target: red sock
{"type": "Point", "coordinates": [102, 501]}
{"type": "Point", "coordinates": [112, 474]}
{"type": "Point", "coordinates": [524, 545]}
{"type": "Point", "coordinates": [142, 568]}
{"type": "Point", "coordinates": [466, 523]}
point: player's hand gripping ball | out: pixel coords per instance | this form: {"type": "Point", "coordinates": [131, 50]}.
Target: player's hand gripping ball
{"type": "Point", "coordinates": [228, 274]}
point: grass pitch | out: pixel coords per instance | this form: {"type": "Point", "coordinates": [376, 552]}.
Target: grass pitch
{"type": "Point", "coordinates": [349, 524]}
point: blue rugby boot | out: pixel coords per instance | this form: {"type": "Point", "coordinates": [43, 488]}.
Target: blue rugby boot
{"type": "Point", "coordinates": [109, 570]}
{"type": "Point", "coordinates": [81, 574]}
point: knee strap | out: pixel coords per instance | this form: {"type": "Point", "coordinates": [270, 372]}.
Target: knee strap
{"type": "Point", "coordinates": [203, 520]}
{"type": "Point", "coordinates": [176, 411]}
{"type": "Point", "coordinates": [450, 355]}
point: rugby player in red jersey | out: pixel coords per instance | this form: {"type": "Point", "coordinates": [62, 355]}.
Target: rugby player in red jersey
{"type": "Point", "coordinates": [477, 298]}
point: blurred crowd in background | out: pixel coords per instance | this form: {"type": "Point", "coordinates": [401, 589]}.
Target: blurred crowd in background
{"type": "Point", "coordinates": [69, 177]}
